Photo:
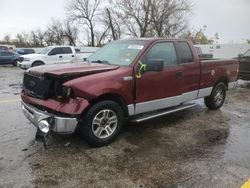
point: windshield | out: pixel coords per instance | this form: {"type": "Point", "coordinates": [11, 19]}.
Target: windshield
{"type": "Point", "coordinates": [120, 53]}
{"type": "Point", "coordinates": [45, 50]}
{"type": "Point", "coordinates": [247, 54]}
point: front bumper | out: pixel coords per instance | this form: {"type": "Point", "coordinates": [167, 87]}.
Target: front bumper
{"type": "Point", "coordinates": [23, 64]}
{"type": "Point", "coordinates": [61, 125]}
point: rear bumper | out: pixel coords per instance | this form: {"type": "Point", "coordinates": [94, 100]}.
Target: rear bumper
{"type": "Point", "coordinates": [62, 125]}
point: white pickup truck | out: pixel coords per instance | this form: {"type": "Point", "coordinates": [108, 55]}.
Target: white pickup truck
{"type": "Point", "coordinates": [50, 55]}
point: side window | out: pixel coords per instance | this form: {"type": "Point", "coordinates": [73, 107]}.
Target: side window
{"type": "Point", "coordinates": [184, 53]}
{"type": "Point", "coordinates": [56, 51]}
{"type": "Point", "coordinates": [7, 54]}
{"type": "Point", "coordinates": [67, 50]}
{"type": "Point", "coordinates": [162, 51]}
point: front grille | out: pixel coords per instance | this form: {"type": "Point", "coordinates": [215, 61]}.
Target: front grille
{"type": "Point", "coordinates": [37, 86]}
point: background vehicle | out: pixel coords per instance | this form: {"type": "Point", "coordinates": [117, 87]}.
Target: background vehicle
{"type": "Point", "coordinates": [54, 55]}
{"type": "Point", "coordinates": [8, 58]}
{"type": "Point", "coordinates": [3, 48]}
{"type": "Point", "coordinates": [24, 51]}
{"type": "Point", "coordinates": [244, 68]}
{"type": "Point", "coordinates": [202, 55]}
{"type": "Point", "coordinates": [135, 80]}
{"type": "Point", "coordinates": [6, 47]}
{"type": "Point", "coordinates": [48, 55]}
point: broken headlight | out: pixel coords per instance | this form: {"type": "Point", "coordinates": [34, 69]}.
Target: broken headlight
{"type": "Point", "coordinates": [66, 92]}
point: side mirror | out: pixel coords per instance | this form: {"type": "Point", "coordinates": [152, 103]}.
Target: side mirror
{"type": "Point", "coordinates": [241, 55]}
{"type": "Point", "coordinates": [155, 65]}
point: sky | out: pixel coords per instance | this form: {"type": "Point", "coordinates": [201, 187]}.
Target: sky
{"type": "Point", "coordinates": [230, 18]}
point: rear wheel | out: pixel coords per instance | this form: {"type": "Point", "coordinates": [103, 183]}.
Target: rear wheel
{"type": "Point", "coordinates": [217, 97]}
{"type": "Point", "coordinates": [102, 123]}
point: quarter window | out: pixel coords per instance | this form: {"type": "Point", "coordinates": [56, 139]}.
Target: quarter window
{"type": "Point", "coordinates": [184, 53]}
{"type": "Point", "coordinates": [162, 51]}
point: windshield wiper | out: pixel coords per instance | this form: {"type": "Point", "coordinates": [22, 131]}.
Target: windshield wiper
{"type": "Point", "coordinates": [101, 62]}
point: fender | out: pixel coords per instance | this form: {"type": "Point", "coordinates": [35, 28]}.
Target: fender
{"type": "Point", "coordinates": [93, 86]}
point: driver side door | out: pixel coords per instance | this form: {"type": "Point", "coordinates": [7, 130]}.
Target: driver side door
{"type": "Point", "coordinates": [158, 90]}
{"type": "Point", "coordinates": [55, 56]}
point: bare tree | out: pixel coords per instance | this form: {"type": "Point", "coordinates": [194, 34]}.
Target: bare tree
{"type": "Point", "coordinates": [168, 16]}
{"type": "Point", "coordinates": [144, 18]}
{"type": "Point", "coordinates": [34, 39]}
{"type": "Point", "coordinates": [84, 12]}
{"type": "Point", "coordinates": [54, 34]}
{"type": "Point", "coordinates": [70, 32]}
{"type": "Point", "coordinates": [135, 15]}
{"type": "Point", "coordinates": [22, 39]}
{"type": "Point", "coordinates": [40, 36]}
{"type": "Point", "coordinates": [7, 39]}
{"type": "Point", "coordinates": [113, 21]}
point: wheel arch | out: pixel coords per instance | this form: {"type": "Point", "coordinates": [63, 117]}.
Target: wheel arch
{"type": "Point", "coordinates": [112, 97]}
{"type": "Point", "coordinates": [224, 80]}
{"type": "Point", "coordinates": [37, 61]}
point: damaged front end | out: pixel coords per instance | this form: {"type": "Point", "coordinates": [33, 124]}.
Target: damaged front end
{"type": "Point", "coordinates": [46, 122]}
{"type": "Point", "coordinates": [50, 105]}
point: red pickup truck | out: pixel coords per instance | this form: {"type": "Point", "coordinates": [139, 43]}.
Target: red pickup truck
{"type": "Point", "coordinates": [126, 80]}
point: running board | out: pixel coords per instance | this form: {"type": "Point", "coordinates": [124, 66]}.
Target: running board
{"type": "Point", "coordinates": [162, 113]}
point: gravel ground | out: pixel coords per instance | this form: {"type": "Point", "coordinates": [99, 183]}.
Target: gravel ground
{"type": "Point", "coordinates": [192, 148]}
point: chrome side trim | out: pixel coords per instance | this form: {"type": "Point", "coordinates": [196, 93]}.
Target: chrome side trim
{"type": "Point", "coordinates": [204, 92]}
{"type": "Point", "coordinates": [232, 85]}
{"type": "Point", "coordinates": [131, 109]}
{"type": "Point", "coordinates": [157, 104]}
{"type": "Point", "coordinates": [189, 95]}
{"type": "Point", "coordinates": [163, 113]}
{"type": "Point", "coordinates": [61, 125]}
{"type": "Point", "coordinates": [165, 102]}
{"type": "Point", "coordinates": [127, 78]}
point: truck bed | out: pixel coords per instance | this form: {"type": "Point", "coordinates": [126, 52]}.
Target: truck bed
{"type": "Point", "coordinates": [219, 69]}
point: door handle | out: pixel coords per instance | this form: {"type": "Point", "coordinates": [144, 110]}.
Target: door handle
{"type": "Point", "coordinates": [60, 56]}
{"type": "Point", "coordinates": [178, 74]}
{"type": "Point", "coordinates": [72, 56]}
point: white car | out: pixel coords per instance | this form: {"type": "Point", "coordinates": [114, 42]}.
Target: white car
{"type": "Point", "coordinates": [48, 55]}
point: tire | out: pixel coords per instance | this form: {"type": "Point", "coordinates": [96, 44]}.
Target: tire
{"type": "Point", "coordinates": [14, 63]}
{"type": "Point", "coordinates": [217, 97]}
{"type": "Point", "coordinates": [37, 63]}
{"type": "Point", "coordinates": [102, 123]}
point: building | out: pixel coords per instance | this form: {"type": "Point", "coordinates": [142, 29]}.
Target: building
{"type": "Point", "coordinates": [224, 50]}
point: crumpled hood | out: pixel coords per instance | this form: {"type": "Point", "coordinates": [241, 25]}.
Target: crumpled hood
{"type": "Point", "coordinates": [71, 69]}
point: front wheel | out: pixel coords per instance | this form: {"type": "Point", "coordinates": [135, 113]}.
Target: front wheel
{"type": "Point", "coordinates": [102, 123]}
{"type": "Point", "coordinates": [37, 63]}
{"type": "Point", "coordinates": [14, 63]}
{"type": "Point", "coordinates": [217, 97]}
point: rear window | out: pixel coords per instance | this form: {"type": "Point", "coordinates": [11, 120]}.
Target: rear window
{"type": "Point", "coordinates": [184, 53]}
